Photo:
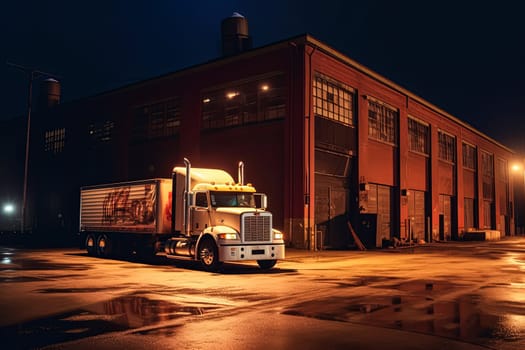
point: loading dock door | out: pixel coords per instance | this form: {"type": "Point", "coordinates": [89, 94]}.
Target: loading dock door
{"type": "Point", "coordinates": [331, 198]}
{"type": "Point", "coordinates": [380, 203]}
{"type": "Point", "coordinates": [416, 214]}
{"type": "Point", "coordinates": [384, 217]}
{"type": "Point", "coordinates": [445, 211]}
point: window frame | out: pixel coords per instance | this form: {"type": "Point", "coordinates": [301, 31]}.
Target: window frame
{"type": "Point", "coordinates": [383, 122]}
{"type": "Point", "coordinates": [55, 140]}
{"type": "Point", "coordinates": [156, 120]}
{"type": "Point", "coordinates": [470, 159]}
{"type": "Point", "coordinates": [333, 100]}
{"type": "Point", "coordinates": [447, 147]}
{"type": "Point", "coordinates": [253, 100]}
{"type": "Point", "coordinates": [418, 136]}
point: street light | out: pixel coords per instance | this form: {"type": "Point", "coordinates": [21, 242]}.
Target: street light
{"type": "Point", "coordinates": [32, 74]}
{"type": "Point", "coordinates": [9, 208]}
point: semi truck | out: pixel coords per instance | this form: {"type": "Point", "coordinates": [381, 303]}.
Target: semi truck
{"type": "Point", "coordinates": [198, 214]}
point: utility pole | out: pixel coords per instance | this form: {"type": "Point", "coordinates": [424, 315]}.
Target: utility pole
{"type": "Point", "coordinates": [32, 74]}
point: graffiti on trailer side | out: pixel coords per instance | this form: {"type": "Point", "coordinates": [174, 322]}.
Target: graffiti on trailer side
{"type": "Point", "coordinates": [118, 209]}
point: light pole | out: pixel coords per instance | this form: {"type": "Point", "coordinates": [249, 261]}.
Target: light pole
{"type": "Point", "coordinates": [519, 170]}
{"type": "Point", "coordinates": [32, 74]}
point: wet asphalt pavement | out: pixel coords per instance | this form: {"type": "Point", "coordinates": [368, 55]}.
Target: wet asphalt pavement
{"type": "Point", "coordinates": [461, 295]}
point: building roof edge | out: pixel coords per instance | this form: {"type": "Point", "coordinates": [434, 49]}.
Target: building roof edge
{"type": "Point", "coordinates": [376, 76]}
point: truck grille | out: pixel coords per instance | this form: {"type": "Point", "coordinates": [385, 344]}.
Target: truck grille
{"type": "Point", "coordinates": [257, 228]}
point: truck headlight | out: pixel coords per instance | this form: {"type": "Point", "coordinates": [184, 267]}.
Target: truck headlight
{"type": "Point", "coordinates": [278, 235]}
{"type": "Point", "coordinates": [227, 236]}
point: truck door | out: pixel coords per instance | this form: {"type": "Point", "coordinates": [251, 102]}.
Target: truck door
{"type": "Point", "coordinates": [200, 215]}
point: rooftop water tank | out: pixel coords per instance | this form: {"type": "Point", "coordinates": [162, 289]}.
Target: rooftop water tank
{"type": "Point", "coordinates": [235, 37]}
{"type": "Point", "coordinates": [49, 93]}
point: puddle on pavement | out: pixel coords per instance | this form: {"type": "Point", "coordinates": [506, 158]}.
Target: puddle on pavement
{"type": "Point", "coordinates": [43, 265]}
{"type": "Point", "coordinates": [20, 279]}
{"type": "Point", "coordinates": [358, 281]}
{"type": "Point", "coordinates": [422, 311]}
{"type": "Point", "coordinates": [71, 290]}
{"type": "Point", "coordinates": [119, 314]}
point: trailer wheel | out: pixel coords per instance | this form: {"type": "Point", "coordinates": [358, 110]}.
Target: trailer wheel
{"type": "Point", "coordinates": [209, 255]}
{"type": "Point", "coordinates": [266, 264]}
{"type": "Point", "coordinates": [104, 246]}
{"type": "Point", "coordinates": [91, 244]}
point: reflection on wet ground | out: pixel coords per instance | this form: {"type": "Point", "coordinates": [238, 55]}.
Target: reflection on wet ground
{"type": "Point", "coordinates": [415, 308]}
{"type": "Point", "coordinates": [20, 279]}
{"type": "Point", "coordinates": [119, 314]}
{"type": "Point", "coordinates": [38, 264]}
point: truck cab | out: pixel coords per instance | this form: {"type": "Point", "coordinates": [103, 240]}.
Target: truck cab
{"type": "Point", "coordinates": [219, 220]}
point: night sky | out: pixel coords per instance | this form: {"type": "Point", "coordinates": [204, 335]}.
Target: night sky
{"type": "Point", "coordinates": [467, 59]}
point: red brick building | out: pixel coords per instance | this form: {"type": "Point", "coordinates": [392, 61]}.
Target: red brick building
{"type": "Point", "coordinates": [327, 139]}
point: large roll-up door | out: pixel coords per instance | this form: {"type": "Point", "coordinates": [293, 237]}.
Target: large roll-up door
{"type": "Point", "coordinates": [469, 209]}
{"type": "Point", "coordinates": [380, 202]}
{"type": "Point", "coordinates": [331, 198]}
{"type": "Point", "coordinates": [445, 212]}
{"type": "Point", "coordinates": [417, 214]}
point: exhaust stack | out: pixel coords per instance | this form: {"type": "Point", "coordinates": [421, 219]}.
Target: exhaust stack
{"type": "Point", "coordinates": [241, 173]}
{"type": "Point", "coordinates": [187, 198]}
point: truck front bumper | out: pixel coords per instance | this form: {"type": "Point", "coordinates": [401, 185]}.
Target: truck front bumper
{"type": "Point", "coordinates": [242, 252]}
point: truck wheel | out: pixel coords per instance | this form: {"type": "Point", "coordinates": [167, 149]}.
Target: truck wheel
{"type": "Point", "coordinates": [208, 255]}
{"type": "Point", "coordinates": [91, 245]}
{"type": "Point", "coordinates": [266, 264]}
{"type": "Point", "coordinates": [104, 246]}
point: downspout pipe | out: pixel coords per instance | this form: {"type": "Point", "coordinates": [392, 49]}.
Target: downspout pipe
{"type": "Point", "coordinates": [241, 173]}
{"type": "Point", "coordinates": [187, 198]}
{"type": "Point", "coordinates": [308, 200]}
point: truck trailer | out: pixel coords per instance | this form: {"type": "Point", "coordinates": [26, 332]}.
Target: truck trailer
{"type": "Point", "coordinates": [198, 214]}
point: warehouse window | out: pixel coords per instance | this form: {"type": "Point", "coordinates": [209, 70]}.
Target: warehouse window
{"type": "Point", "coordinates": [331, 163]}
{"type": "Point", "coordinates": [101, 132]}
{"type": "Point", "coordinates": [333, 100]}
{"type": "Point", "coordinates": [447, 147]}
{"type": "Point", "coordinates": [487, 164]}
{"type": "Point", "coordinates": [418, 133]}
{"type": "Point", "coordinates": [157, 120]}
{"type": "Point", "coordinates": [54, 140]}
{"type": "Point", "coordinates": [254, 100]}
{"type": "Point", "coordinates": [469, 157]}
{"type": "Point", "coordinates": [382, 122]}
{"type": "Point", "coordinates": [487, 171]}
{"type": "Point", "coordinates": [503, 170]}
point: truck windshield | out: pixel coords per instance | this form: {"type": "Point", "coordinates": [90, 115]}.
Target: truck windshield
{"type": "Point", "coordinates": [232, 199]}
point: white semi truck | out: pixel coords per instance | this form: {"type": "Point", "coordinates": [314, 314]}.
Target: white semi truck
{"type": "Point", "coordinates": [199, 214]}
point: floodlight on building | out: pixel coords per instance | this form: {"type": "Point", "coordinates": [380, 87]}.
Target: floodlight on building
{"type": "Point", "coordinates": [231, 95]}
{"type": "Point", "coordinates": [265, 87]}
{"type": "Point", "coordinates": [206, 100]}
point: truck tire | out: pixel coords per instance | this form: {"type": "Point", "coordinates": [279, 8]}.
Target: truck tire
{"type": "Point", "coordinates": [91, 244]}
{"type": "Point", "coordinates": [104, 246]}
{"type": "Point", "coordinates": [266, 264]}
{"type": "Point", "coordinates": [208, 255]}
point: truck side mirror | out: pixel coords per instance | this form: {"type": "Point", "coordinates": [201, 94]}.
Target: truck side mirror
{"type": "Point", "coordinates": [261, 201]}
